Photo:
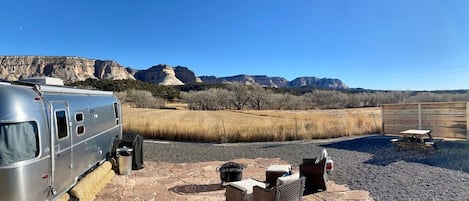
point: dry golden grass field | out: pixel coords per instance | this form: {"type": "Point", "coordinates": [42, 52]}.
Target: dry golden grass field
{"type": "Point", "coordinates": [250, 125]}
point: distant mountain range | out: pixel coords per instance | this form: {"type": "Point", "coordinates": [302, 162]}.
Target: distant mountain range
{"type": "Point", "coordinates": [278, 82]}
{"type": "Point", "coordinates": [72, 69]}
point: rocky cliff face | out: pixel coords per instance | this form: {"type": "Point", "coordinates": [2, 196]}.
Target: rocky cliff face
{"type": "Point", "coordinates": [326, 83]}
{"type": "Point", "coordinates": [262, 80]}
{"type": "Point", "coordinates": [70, 69]}
{"type": "Point", "coordinates": [161, 74]}
{"type": "Point", "coordinates": [185, 75]}
{"type": "Point", "coordinates": [278, 82]}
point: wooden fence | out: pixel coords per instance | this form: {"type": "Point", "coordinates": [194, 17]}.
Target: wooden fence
{"type": "Point", "coordinates": [449, 119]}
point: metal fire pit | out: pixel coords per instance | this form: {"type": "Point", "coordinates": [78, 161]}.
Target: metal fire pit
{"type": "Point", "coordinates": [230, 172]}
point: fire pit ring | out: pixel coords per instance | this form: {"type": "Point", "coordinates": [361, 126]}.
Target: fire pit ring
{"type": "Point", "coordinates": [230, 172]}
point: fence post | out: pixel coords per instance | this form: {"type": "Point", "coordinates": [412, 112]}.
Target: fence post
{"type": "Point", "coordinates": [382, 119]}
{"type": "Point", "coordinates": [420, 115]}
{"type": "Point", "coordinates": [467, 121]}
{"type": "Point", "coordinates": [296, 128]}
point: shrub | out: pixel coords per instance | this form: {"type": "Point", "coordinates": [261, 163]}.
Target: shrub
{"type": "Point", "coordinates": [140, 99]}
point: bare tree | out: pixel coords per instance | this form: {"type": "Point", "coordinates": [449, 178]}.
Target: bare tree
{"type": "Point", "coordinates": [222, 98]}
{"type": "Point", "coordinates": [259, 97]}
{"type": "Point", "coordinates": [239, 95]}
{"type": "Point", "coordinates": [291, 102]}
{"type": "Point", "coordinates": [143, 99]}
{"type": "Point", "coordinates": [211, 99]}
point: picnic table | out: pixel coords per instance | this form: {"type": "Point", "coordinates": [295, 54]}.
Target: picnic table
{"type": "Point", "coordinates": [415, 138]}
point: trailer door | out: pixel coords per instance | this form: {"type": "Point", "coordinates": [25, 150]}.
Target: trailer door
{"type": "Point", "coordinates": [62, 160]}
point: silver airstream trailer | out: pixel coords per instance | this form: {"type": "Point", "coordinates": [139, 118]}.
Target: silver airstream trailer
{"type": "Point", "coordinates": [50, 136]}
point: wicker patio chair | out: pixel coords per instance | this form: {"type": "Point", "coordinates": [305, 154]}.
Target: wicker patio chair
{"type": "Point", "coordinates": [315, 173]}
{"type": "Point", "coordinates": [273, 172]}
{"type": "Point", "coordinates": [288, 191]}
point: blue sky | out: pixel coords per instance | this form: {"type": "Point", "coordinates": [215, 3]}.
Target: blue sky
{"type": "Point", "coordinates": [385, 44]}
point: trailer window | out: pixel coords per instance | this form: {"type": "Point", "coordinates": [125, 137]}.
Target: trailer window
{"type": "Point", "coordinates": [79, 117]}
{"type": "Point", "coordinates": [18, 142]}
{"type": "Point", "coordinates": [61, 121]}
{"type": "Point", "coordinates": [80, 129]}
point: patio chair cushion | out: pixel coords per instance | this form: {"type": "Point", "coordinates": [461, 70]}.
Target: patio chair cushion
{"type": "Point", "coordinates": [279, 168]}
{"type": "Point", "coordinates": [288, 179]}
{"type": "Point", "coordinates": [242, 190]}
{"type": "Point", "coordinates": [247, 184]}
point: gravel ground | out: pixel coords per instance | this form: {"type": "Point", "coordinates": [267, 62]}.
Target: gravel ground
{"type": "Point", "coordinates": [363, 163]}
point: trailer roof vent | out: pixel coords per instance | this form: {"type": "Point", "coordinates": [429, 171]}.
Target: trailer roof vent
{"type": "Point", "coordinates": [44, 81]}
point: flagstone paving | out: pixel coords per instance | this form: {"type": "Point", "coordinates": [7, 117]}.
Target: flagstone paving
{"type": "Point", "coordinates": [162, 181]}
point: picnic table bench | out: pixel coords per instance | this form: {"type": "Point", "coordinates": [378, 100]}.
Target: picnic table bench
{"type": "Point", "coordinates": [415, 138]}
